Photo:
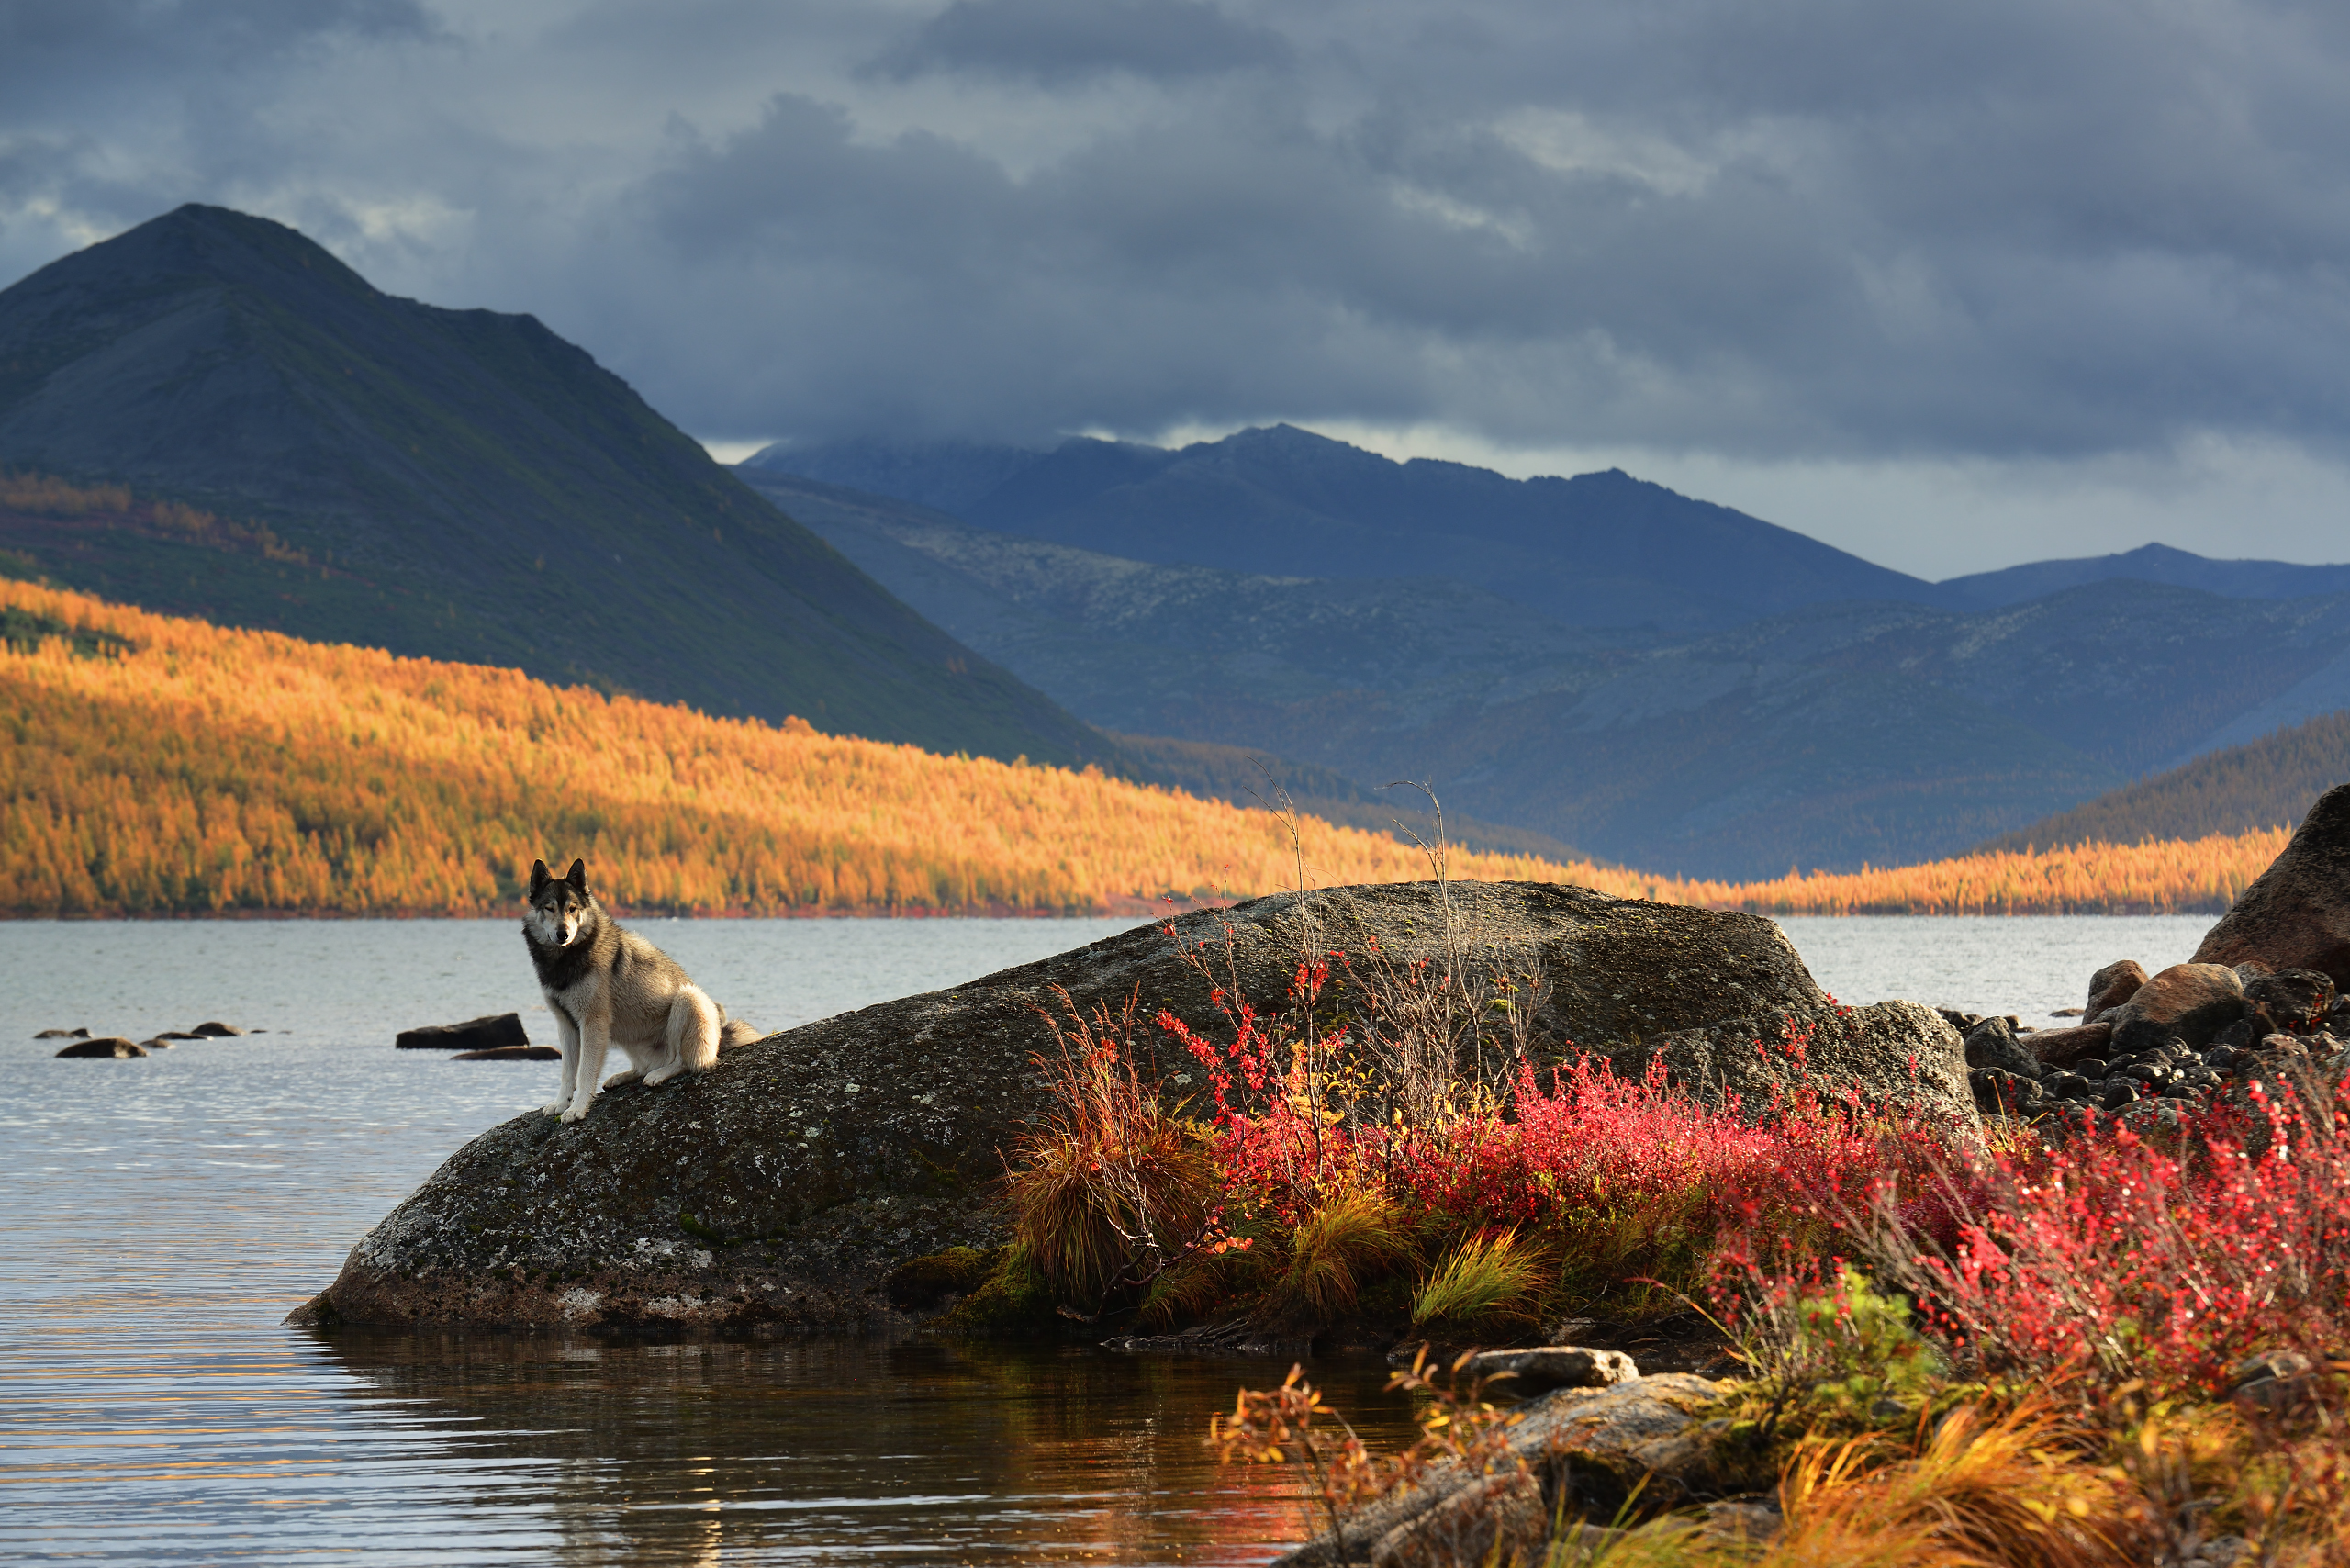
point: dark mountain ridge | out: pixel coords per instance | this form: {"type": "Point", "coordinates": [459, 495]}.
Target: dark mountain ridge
{"type": "Point", "coordinates": [461, 483]}
{"type": "Point", "coordinates": [1602, 550]}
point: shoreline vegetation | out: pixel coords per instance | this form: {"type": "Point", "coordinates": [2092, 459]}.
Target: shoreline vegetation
{"type": "Point", "coordinates": [159, 765]}
{"type": "Point", "coordinates": [2088, 1341]}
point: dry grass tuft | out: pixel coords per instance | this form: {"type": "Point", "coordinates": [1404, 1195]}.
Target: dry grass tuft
{"type": "Point", "coordinates": [1490, 1279]}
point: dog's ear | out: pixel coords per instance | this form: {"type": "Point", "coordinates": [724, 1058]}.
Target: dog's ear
{"type": "Point", "coordinates": [578, 877]}
{"type": "Point", "coordinates": [539, 877]}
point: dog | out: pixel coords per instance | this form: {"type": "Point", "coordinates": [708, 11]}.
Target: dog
{"type": "Point", "coordinates": [608, 986]}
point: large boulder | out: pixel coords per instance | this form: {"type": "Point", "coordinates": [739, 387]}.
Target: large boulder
{"type": "Point", "coordinates": [776, 1190]}
{"type": "Point", "coordinates": [2296, 914]}
{"type": "Point", "coordinates": [2185, 1002]}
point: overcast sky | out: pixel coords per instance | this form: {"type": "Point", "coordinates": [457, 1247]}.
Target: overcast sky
{"type": "Point", "coordinates": [1948, 285]}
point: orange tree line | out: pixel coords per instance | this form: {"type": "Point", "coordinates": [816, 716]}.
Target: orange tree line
{"type": "Point", "coordinates": [168, 765]}
{"type": "Point", "coordinates": [172, 765]}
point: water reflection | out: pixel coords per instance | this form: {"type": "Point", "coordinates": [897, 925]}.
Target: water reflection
{"type": "Point", "coordinates": [852, 1450]}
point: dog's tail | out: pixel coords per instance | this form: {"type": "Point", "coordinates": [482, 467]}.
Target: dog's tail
{"type": "Point", "coordinates": [736, 1034]}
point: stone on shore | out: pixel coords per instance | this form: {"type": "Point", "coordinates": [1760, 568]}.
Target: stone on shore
{"type": "Point", "coordinates": [2064, 1048]}
{"type": "Point", "coordinates": [2189, 1002]}
{"type": "Point", "coordinates": [496, 1031]}
{"type": "Point", "coordinates": [2112, 986]}
{"type": "Point", "coordinates": [2296, 914]}
{"type": "Point", "coordinates": [1541, 1368]}
{"type": "Point", "coordinates": [111, 1046]}
{"type": "Point", "coordinates": [779, 1190]}
{"type": "Point", "coordinates": [511, 1053]}
{"type": "Point", "coordinates": [213, 1029]}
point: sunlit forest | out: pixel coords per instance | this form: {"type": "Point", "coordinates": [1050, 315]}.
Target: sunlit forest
{"type": "Point", "coordinates": [157, 765]}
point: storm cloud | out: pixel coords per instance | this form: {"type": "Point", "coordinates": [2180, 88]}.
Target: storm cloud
{"type": "Point", "coordinates": [2068, 232]}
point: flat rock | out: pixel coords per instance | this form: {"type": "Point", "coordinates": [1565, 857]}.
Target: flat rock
{"type": "Point", "coordinates": [496, 1031]}
{"type": "Point", "coordinates": [1541, 1368]}
{"type": "Point", "coordinates": [511, 1053]}
{"type": "Point", "coordinates": [777, 1191]}
{"type": "Point", "coordinates": [62, 1035]}
{"type": "Point", "coordinates": [2296, 914]}
{"type": "Point", "coordinates": [112, 1047]}
{"type": "Point", "coordinates": [213, 1029]}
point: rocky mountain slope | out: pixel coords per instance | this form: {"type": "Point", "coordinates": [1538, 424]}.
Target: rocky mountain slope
{"type": "Point", "coordinates": [1840, 734]}
{"type": "Point", "coordinates": [455, 483]}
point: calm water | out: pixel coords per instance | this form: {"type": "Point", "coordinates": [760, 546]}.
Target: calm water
{"type": "Point", "coordinates": [163, 1215]}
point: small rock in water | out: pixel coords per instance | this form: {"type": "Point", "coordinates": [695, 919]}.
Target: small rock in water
{"type": "Point", "coordinates": [1555, 1366]}
{"type": "Point", "coordinates": [110, 1046]}
{"type": "Point", "coordinates": [496, 1031]}
{"type": "Point", "coordinates": [511, 1053]}
{"type": "Point", "coordinates": [62, 1035]}
{"type": "Point", "coordinates": [2068, 1013]}
{"type": "Point", "coordinates": [213, 1029]}
{"type": "Point", "coordinates": [157, 1044]}
{"type": "Point", "coordinates": [178, 1034]}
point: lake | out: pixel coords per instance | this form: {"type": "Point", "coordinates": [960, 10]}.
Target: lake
{"type": "Point", "coordinates": [164, 1215]}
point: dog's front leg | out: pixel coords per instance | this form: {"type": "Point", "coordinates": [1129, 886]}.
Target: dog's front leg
{"type": "Point", "coordinates": [595, 1044]}
{"type": "Point", "coordinates": [568, 1033]}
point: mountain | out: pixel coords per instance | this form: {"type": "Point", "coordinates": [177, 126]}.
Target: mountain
{"type": "Point", "coordinates": [1840, 734]}
{"type": "Point", "coordinates": [2147, 564]}
{"type": "Point", "coordinates": [292, 449]}
{"type": "Point", "coordinates": [1602, 550]}
{"type": "Point", "coordinates": [2268, 783]}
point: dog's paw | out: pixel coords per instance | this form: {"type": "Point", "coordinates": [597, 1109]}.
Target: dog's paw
{"type": "Point", "coordinates": [575, 1113]}
{"type": "Point", "coordinates": [551, 1108]}
{"type": "Point", "coordinates": [630, 1075]}
{"type": "Point", "coordinates": [661, 1075]}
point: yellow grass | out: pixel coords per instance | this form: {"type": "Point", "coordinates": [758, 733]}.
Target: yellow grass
{"type": "Point", "coordinates": [208, 771]}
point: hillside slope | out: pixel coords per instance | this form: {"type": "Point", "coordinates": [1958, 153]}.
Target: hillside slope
{"type": "Point", "coordinates": [157, 763]}
{"type": "Point", "coordinates": [456, 483]}
{"type": "Point", "coordinates": [2268, 783]}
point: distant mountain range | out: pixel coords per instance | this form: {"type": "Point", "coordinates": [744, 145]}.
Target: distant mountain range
{"type": "Point", "coordinates": [1600, 550]}
{"type": "Point", "coordinates": [1840, 732]}
{"type": "Point", "coordinates": [453, 483]}
{"type": "Point", "coordinates": [1604, 550]}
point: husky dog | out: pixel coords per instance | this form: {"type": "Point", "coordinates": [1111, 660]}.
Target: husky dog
{"type": "Point", "coordinates": [610, 986]}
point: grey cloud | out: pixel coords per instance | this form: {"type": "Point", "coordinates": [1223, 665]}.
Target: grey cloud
{"type": "Point", "coordinates": [1056, 41]}
{"type": "Point", "coordinates": [1824, 227]}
